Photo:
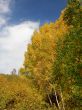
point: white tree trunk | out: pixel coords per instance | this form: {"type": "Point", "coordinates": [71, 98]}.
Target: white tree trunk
{"type": "Point", "coordinates": [57, 101]}
{"type": "Point", "coordinates": [49, 100]}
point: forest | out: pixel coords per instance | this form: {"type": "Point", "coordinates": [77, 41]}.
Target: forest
{"type": "Point", "coordinates": [51, 76]}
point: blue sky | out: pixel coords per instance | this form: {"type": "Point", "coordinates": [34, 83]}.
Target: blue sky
{"type": "Point", "coordinates": [18, 20]}
{"type": "Point", "coordinates": [37, 10]}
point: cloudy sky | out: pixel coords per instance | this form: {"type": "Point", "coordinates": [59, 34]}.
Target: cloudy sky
{"type": "Point", "coordinates": [18, 20]}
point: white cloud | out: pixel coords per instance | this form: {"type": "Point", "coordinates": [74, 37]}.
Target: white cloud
{"type": "Point", "coordinates": [13, 42]}
{"type": "Point", "coordinates": [13, 38]}
{"type": "Point", "coordinates": [2, 21]}
{"type": "Point", "coordinates": [4, 11]}
{"type": "Point", "coordinates": [4, 6]}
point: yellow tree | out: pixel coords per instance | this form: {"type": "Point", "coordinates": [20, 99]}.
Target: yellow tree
{"type": "Point", "coordinates": [40, 54]}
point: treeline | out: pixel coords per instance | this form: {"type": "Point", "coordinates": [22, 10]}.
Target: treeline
{"type": "Point", "coordinates": [51, 76]}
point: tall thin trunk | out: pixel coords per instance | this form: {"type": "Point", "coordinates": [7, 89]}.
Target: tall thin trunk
{"type": "Point", "coordinates": [49, 100]}
{"type": "Point", "coordinates": [57, 101]}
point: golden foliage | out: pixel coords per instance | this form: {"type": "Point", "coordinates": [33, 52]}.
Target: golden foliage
{"type": "Point", "coordinates": [18, 94]}
{"type": "Point", "coordinates": [40, 54]}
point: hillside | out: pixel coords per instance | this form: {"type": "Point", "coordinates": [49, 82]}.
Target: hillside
{"type": "Point", "coordinates": [18, 94]}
